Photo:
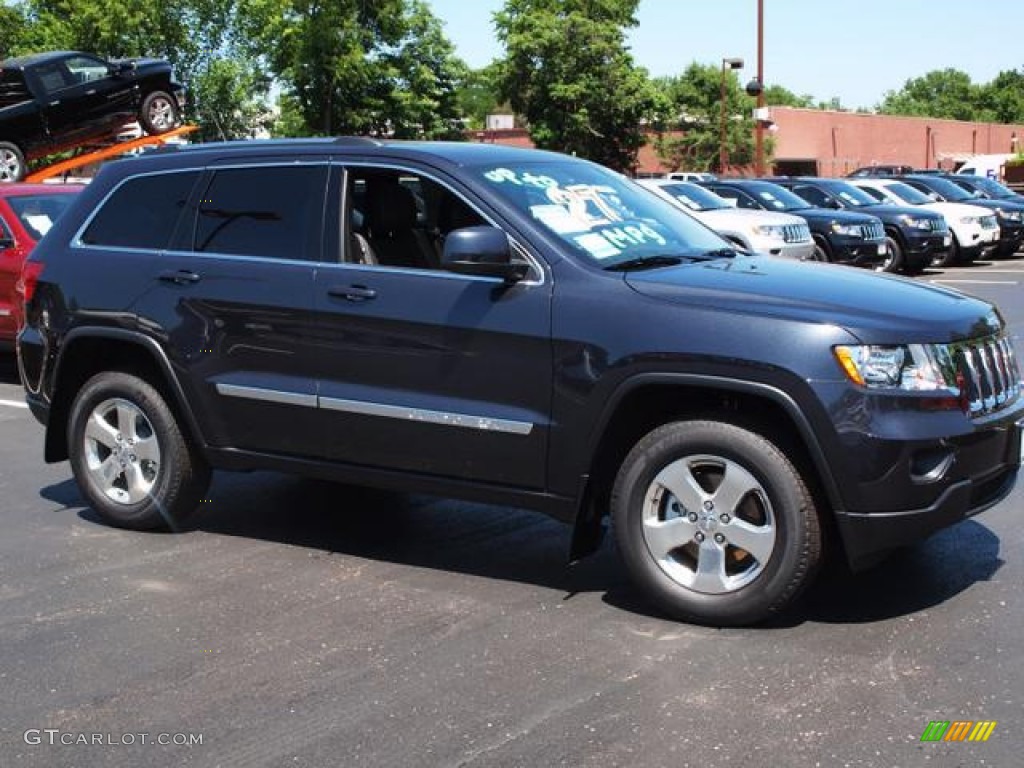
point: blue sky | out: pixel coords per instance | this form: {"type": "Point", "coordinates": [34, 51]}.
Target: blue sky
{"type": "Point", "coordinates": [853, 49]}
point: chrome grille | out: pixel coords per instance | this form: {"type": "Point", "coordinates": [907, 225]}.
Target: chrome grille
{"type": "Point", "coordinates": [796, 233]}
{"type": "Point", "coordinates": [938, 225]}
{"type": "Point", "coordinates": [987, 374]}
{"type": "Point", "coordinates": [873, 231]}
{"type": "Point", "coordinates": [988, 222]}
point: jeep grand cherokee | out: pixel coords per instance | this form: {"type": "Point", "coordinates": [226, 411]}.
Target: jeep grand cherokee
{"type": "Point", "coordinates": [512, 326]}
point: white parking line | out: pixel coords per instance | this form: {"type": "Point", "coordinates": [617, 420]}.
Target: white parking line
{"type": "Point", "coordinates": [13, 404]}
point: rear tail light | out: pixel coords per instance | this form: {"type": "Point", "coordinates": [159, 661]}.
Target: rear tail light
{"type": "Point", "coordinates": [26, 285]}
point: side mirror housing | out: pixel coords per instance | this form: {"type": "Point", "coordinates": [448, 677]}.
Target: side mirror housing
{"type": "Point", "coordinates": [481, 251]}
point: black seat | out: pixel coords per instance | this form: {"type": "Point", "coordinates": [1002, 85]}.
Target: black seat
{"type": "Point", "coordinates": [394, 237]}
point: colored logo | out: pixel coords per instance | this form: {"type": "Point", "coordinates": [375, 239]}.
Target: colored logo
{"type": "Point", "coordinates": [958, 730]}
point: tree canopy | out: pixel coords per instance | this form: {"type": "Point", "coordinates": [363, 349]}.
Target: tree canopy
{"type": "Point", "coordinates": [568, 72]}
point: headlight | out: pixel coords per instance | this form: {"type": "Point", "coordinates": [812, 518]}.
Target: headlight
{"type": "Point", "coordinates": [916, 223]}
{"type": "Point", "coordinates": [909, 367]}
{"type": "Point", "coordinates": [970, 220]}
{"type": "Point", "coordinates": [1009, 215]}
{"type": "Point", "coordinates": [776, 231]}
{"type": "Point", "coordinates": [851, 230]}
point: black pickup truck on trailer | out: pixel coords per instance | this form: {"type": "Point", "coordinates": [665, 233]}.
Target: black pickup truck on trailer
{"type": "Point", "coordinates": [55, 101]}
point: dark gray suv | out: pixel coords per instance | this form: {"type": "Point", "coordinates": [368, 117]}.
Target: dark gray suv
{"type": "Point", "coordinates": [517, 327]}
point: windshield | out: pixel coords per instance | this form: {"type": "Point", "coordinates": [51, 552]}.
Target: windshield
{"type": "Point", "coordinates": [693, 197]}
{"type": "Point", "coordinates": [908, 193]}
{"type": "Point", "coordinates": [775, 198]}
{"type": "Point", "coordinates": [37, 213]}
{"type": "Point", "coordinates": [990, 187]}
{"type": "Point", "coordinates": [948, 190]}
{"type": "Point", "coordinates": [851, 195]}
{"type": "Point", "coordinates": [603, 217]}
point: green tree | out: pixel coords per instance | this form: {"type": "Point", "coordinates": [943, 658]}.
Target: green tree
{"type": "Point", "coordinates": [200, 38]}
{"type": "Point", "coordinates": [1005, 96]}
{"type": "Point", "coordinates": [568, 71]}
{"type": "Point", "coordinates": [478, 96]}
{"type": "Point", "coordinates": [946, 93]}
{"type": "Point", "coordinates": [694, 101]}
{"type": "Point", "coordinates": [13, 23]}
{"type": "Point", "coordinates": [778, 96]}
{"type": "Point", "coordinates": [354, 67]}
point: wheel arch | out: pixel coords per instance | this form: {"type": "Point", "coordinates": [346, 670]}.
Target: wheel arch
{"type": "Point", "coordinates": [644, 402]}
{"type": "Point", "coordinates": [88, 351]}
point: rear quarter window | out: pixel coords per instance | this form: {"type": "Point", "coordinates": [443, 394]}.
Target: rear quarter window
{"type": "Point", "coordinates": [142, 212]}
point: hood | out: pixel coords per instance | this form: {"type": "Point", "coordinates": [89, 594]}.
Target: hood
{"type": "Point", "coordinates": [747, 217]}
{"type": "Point", "coordinates": [958, 210]}
{"type": "Point", "coordinates": [885, 211]}
{"type": "Point", "coordinates": [144, 63]}
{"type": "Point", "coordinates": [874, 307]}
{"type": "Point", "coordinates": [839, 217]}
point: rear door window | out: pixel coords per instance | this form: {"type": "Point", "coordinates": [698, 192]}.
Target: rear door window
{"type": "Point", "coordinates": [142, 212]}
{"type": "Point", "coordinates": [263, 211]}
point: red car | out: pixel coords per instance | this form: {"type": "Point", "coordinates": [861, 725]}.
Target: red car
{"type": "Point", "coordinates": [27, 211]}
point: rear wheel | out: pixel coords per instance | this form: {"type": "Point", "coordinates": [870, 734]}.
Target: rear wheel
{"type": "Point", "coordinates": [12, 162]}
{"type": "Point", "coordinates": [129, 456]}
{"type": "Point", "coordinates": [714, 523]}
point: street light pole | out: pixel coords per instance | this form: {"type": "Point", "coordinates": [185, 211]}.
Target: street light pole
{"type": "Point", "coordinates": [723, 152]}
{"type": "Point", "coordinates": [759, 127]}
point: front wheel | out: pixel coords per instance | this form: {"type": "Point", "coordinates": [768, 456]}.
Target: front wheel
{"type": "Point", "coordinates": [159, 113]}
{"type": "Point", "coordinates": [714, 523]}
{"type": "Point", "coordinates": [821, 251]}
{"type": "Point", "coordinates": [894, 260]}
{"type": "Point", "coordinates": [129, 456]}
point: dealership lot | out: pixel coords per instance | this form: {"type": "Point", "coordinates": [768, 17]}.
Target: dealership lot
{"type": "Point", "coordinates": [301, 623]}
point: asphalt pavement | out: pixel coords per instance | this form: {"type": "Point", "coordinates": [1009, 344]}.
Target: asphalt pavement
{"type": "Point", "coordinates": [301, 623]}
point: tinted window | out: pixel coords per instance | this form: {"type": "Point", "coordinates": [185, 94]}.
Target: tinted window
{"type": "Point", "coordinates": [38, 212]}
{"type": "Point", "coordinates": [813, 195]}
{"type": "Point", "coordinates": [142, 212]}
{"type": "Point", "coordinates": [267, 211]}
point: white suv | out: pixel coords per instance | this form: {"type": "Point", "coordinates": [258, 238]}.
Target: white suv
{"type": "Point", "coordinates": [975, 229]}
{"type": "Point", "coordinates": [776, 234]}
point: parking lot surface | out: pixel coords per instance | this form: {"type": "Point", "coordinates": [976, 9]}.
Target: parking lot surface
{"type": "Point", "coordinates": [303, 623]}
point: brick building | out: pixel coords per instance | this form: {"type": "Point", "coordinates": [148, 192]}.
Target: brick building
{"type": "Point", "coordinates": [826, 143]}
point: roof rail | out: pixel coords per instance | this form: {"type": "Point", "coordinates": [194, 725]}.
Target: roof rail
{"type": "Point", "coordinates": [363, 141]}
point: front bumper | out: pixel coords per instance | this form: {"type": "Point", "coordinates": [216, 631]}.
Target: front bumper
{"type": "Point", "coordinates": [922, 247]}
{"type": "Point", "coordinates": [910, 488]}
{"type": "Point", "coordinates": [857, 251]}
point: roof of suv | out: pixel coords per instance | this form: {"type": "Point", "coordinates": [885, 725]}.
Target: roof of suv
{"type": "Point", "coordinates": [457, 152]}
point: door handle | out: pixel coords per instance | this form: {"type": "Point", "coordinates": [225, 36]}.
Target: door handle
{"type": "Point", "coordinates": [54, 103]}
{"type": "Point", "coordinates": [178, 277]}
{"type": "Point", "coordinates": [352, 292]}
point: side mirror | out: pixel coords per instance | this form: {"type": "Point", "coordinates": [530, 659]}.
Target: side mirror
{"type": "Point", "coordinates": [481, 251]}
{"type": "Point", "coordinates": [124, 68]}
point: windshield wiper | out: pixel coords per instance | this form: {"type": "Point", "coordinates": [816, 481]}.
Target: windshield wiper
{"type": "Point", "coordinates": [718, 253]}
{"type": "Point", "coordinates": [645, 262]}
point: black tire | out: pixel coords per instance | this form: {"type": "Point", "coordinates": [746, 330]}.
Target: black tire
{"type": "Point", "coordinates": [12, 163]}
{"type": "Point", "coordinates": [894, 260]}
{"type": "Point", "coordinates": [159, 113]}
{"type": "Point", "coordinates": [951, 257]}
{"type": "Point", "coordinates": [774, 513]}
{"type": "Point", "coordinates": [821, 251]}
{"type": "Point", "coordinates": [120, 426]}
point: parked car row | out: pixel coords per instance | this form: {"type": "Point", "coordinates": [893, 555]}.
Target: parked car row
{"type": "Point", "coordinates": [895, 223]}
